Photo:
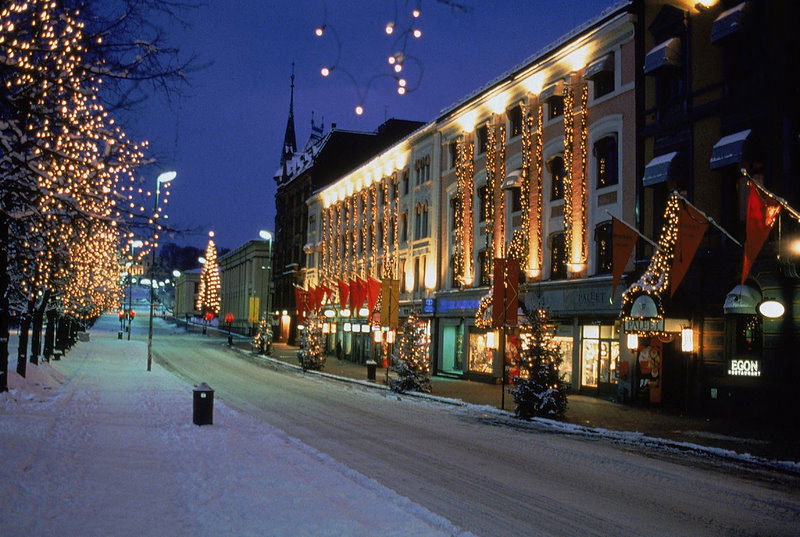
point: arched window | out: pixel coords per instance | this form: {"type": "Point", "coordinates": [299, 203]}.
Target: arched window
{"type": "Point", "coordinates": [558, 174]}
{"type": "Point", "coordinates": [605, 154]}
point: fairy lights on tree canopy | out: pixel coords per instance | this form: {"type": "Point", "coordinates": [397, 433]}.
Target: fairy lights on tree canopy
{"type": "Point", "coordinates": [208, 298]}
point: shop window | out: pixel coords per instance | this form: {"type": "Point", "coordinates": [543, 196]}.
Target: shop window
{"type": "Point", "coordinates": [516, 200]}
{"type": "Point", "coordinates": [747, 334]}
{"type": "Point", "coordinates": [514, 121]}
{"type": "Point", "coordinates": [481, 356]}
{"type": "Point", "coordinates": [605, 154]}
{"type": "Point", "coordinates": [405, 182]}
{"type": "Point", "coordinates": [599, 355]}
{"type": "Point", "coordinates": [452, 151]}
{"type": "Point", "coordinates": [558, 257]}
{"type": "Point", "coordinates": [602, 238]}
{"type": "Point", "coordinates": [454, 210]}
{"type": "Point", "coordinates": [481, 201]}
{"type": "Point", "coordinates": [565, 344]}
{"type": "Point", "coordinates": [557, 174]}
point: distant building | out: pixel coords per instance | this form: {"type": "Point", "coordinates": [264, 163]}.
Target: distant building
{"type": "Point", "coordinates": [246, 284]}
{"type": "Point", "coordinates": [325, 158]}
{"type": "Point", "coordinates": [186, 286]}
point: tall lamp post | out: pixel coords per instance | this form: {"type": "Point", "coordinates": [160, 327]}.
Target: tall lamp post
{"type": "Point", "coordinates": [134, 244]}
{"type": "Point", "coordinates": [267, 236]}
{"type": "Point", "coordinates": [165, 177]}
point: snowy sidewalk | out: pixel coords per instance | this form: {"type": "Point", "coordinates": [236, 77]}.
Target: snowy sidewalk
{"type": "Point", "coordinates": [95, 445]}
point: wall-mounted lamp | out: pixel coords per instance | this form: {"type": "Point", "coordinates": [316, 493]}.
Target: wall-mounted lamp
{"type": "Point", "coordinates": [687, 339]}
{"type": "Point", "coordinates": [771, 308]}
{"type": "Point", "coordinates": [632, 342]}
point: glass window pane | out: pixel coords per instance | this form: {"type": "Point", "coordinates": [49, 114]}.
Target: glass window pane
{"type": "Point", "coordinates": [480, 356]}
{"type": "Point", "coordinates": [590, 356]}
{"type": "Point", "coordinates": [591, 331]}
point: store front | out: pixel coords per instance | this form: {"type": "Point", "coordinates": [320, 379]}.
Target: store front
{"type": "Point", "coordinates": [459, 350]}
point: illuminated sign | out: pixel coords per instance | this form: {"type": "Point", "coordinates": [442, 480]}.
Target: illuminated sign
{"type": "Point", "coordinates": [744, 368]}
{"type": "Point", "coordinates": [643, 324]}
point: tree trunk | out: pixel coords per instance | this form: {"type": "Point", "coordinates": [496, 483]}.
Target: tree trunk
{"type": "Point", "coordinates": [50, 335]}
{"type": "Point", "coordinates": [36, 338]}
{"type": "Point", "coordinates": [5, 312]}
{"type": "Point", "coordinates": [61, 340]}
{"type": "Point", "coordinates": [22, 349]}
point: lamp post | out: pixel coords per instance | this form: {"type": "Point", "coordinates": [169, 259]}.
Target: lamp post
{"type": "Point", "coordinates": [267, 236]}
{"type": "Point", "coordinates": [165, 177]}
{"type": "Point", "coordinates": [134, 244]}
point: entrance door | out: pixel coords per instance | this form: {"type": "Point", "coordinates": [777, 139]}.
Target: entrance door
{"type": "Point", "coordinates": [450, 362]}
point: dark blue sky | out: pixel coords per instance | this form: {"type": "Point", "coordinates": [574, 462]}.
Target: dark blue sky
{"type": "Point", "coordinates": [224, 138]}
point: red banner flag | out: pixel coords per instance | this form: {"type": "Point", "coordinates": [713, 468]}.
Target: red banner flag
{"type": "Point", "coordinates": [301, 301]}
{"type": "Point", "coordinates": [505, 292]}
{"type": "Point", "coordinates": [691, 227]}
{"type": "Point", "coordinates": [761, 216]}
{"type": "Point", "coordinates": [373, 293]}
{"type": "Point", "coordinates": [623, 239]}
{"type": "Point", "coordinates": [344, 293]}
{"type": "Point", "coordinates": [357, 298]}
{"type": "Point", "coordinates": [312, 298]}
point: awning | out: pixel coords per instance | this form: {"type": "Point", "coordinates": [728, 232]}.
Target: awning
{"type": "Point", "coordinates": [604, 64]}
{"type": "Point", "coordinates": [729, 22]}
{"type": "Point", "coordinates": [308, 247]}
{"type": "Point", "coordinates": [729, 149]}
{"type": "Point", "coordinates": [660, 169]}
{"type": "Point", "coordinates": [742, 299]}
{"type": "Point", "coordinates": [666, 54]}
{"type": "Point", "coordinates": [513, 179]}
{"type": "Point", "coordinates": [553, 90]}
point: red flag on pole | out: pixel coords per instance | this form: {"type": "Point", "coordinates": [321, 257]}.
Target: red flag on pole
{"type": "Point", "coordinates": [373, 293]}
{"type": "Point", "coordinates": [357, 299]}
{"type": "Point", "coordinates": [505, 292]}
{"type": "Point", "coordinates": [300, 299]}
{"type": "Point", "coordinates": [344, 293]}
{"type": "Point", "coordinates": [692, 225]}
{"type": "Point", "coordinates": [761, 216]}
{"type": "Point", "coordinates": [312, 298]}
{"type": "Point", "coordinates": [623, 239]}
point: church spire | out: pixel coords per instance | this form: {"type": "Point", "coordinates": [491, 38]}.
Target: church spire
{"type": "Point", "coordinates": [289, 139]}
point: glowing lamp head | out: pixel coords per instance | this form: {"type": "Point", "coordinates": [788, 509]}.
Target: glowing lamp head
{"type": "Point", "coordinates": [319, 31]}
{"type": "Point", "coordinates": [359, 110]}
{"type": "Point", "coordinates": [401, 90]}
{"type": "Point", "coordinates": [325, 71]}
{"type": "Point", "coordinates": [398, 67]}
{"type": "Point", "coordinates": [632, 342]}
{"type": "Point", "coordinates": [389, 28]}
{"type": "Point", "coordinates": [687, 340]}
{"type": "Point", "coordinates": [417, 33]}
{"type": "Point", "coordinates": [402, 82]}
{"type": "Point", "coordinates": [415, 13]}
{"type": "Point", "coordinates": [211, 234]}
{"type": "Point", "coordinates": [771, 309]}
{"type": "Point", "coordinates": [166, 177]}
{"type": "Point", "coordinates": [391, 60]}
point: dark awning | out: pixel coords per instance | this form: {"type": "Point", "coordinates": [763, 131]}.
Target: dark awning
{"type": "Point", "coordinates": [553, 90]}
{"type": "Point", "coordinates": [728, 23]}
{"type": "Point", "coordinates": [666, 54]}
{"type": "Point", "coordinates": [729, 149]}
{"type": "Point", "coordinates": [743, 300]}
{"type": "Point", "coordinates": [604, 64]}
{"type": "Point", "coordinates": [660, 169]}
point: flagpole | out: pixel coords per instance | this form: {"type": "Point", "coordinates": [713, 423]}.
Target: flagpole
{"type": "Point", "coordinates": [779, 199]}
{"type": "Point", "coordinates": [711, 220]}
{"type": "Point", "coordinates": [623, 222]}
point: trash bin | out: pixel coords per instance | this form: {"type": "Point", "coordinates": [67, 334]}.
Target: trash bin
{"type": "Point", "coordinates": [371, 369]}
{"type": "Point", "coordinates": [203, 413]}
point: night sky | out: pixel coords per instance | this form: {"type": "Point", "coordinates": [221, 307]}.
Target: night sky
{"type": "Point", "coordinates": [224, 137]}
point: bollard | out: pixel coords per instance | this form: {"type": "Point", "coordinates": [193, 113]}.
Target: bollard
{"type": "Point", "coordinates": [203, 408]}
{"type": "Point", "coordinates": [371, 369]}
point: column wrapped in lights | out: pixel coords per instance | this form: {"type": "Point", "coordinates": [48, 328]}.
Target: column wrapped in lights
{"type": "Point", "coordinates": [348, 222]}
{"type": "Point", "coordinates": [353, 234]}
{"type": "Point", "coordinates": [385, 234]}
{"type": "Point", "coordinates": [364, 225]}
{"type": "Point", "coordinates": [584, 133]}
{"type": "Point", "coordinates": [520, 248]}
{"type": "Point", "coordinates": [395, 226]}
{"type": "Point", "coordinates": [500, 236]}
{"type": "Point", "coordinates": [569, 141]}
{"type": "Point", "coordinates": [338, 263]}
{"type": "Point", "coordinates": [465, 174]}
{"type": "Point", "coordinates": [458, 231]}
{"type": "Point", "coordinates": [491, 155]}
{"type": "Point", "coordinates": [324, 223]}
{"type": "Point", "coordinates": [538, 159]}
{"type": "Point", "coordinates": [374, 208]}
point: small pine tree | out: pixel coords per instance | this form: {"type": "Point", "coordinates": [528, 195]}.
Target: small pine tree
{"type": "Point", "coordinates": [311, 354]}
{"type": "Point", "coordinates": [539, 390]}
{"type": "Point", "coordinates": [411, 360]}
{"type": "Point", "coordinates": [263, 338]}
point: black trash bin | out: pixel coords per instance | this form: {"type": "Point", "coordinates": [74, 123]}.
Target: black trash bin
{"type": "Point", "coordinates": [203, 413]}
{"type": "Point", "coordinates": [371, 369]}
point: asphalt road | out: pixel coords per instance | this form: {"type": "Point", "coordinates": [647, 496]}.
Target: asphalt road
{"type": "Point", "coordinates": [488, 478]}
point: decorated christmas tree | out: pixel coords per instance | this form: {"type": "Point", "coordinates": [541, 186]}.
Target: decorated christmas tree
{"type": "Point", "coordinates": [263, 338]}
{"type": "Point", "coordinates": [411, 360]}
{"type": "Point", "coordinates": [539, 390]}
{"type": "Point", "coordinates": [311, 354]}
{"type": "Point", "coordinates": [208, 291]}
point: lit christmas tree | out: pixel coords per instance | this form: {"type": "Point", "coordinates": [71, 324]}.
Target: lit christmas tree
{"type": "Point", "coordinates": [539, 390]}
{"type": "Point", "coordinates": [411, 360]}
{"type": "Point", "coordinates": [263, 338]}
{"type": "Point", "coordinates": [208, 293]}
{"type": "Point", "coordinates": [311, 355]}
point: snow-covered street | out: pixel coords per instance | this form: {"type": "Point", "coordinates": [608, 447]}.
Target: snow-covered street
{"type": "Point", "coordinates": [96, 446]}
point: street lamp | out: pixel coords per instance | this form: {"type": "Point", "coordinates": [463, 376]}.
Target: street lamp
{"type": "Point", "coordinates": [134, 244]}
{"type": "Point", "coordinates": [267, 236]}
{"type": "Point", "coordinates": [165, 177]}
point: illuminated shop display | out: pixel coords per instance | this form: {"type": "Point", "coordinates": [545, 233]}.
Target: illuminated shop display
{"type": "Point", "coordinates": [599, 354]}
{"type": "Point", "coordinates": [480, 355]}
